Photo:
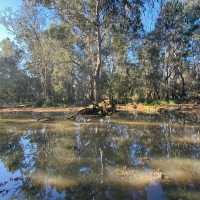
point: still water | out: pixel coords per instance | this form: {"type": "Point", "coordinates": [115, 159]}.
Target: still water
{"type": "Point", "coordinates": [102, 159]}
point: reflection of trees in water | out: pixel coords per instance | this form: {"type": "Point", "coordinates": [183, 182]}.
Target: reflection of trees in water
{"type": "Point", "coordinates": [166, 131]}
{"type": "Point", "coordinates": [100, 142]}
{"type": "Point", "coordinates": [88, 151]}
{"type": "Point", "coordinates": [112, 140]}
{"type": "Point", "coordinates": [12, 155]}
{"type": "Point", "coordinates": [21, 152]}
{"type": "Point", "coordinates": [11, 151]}
{"type": "Point", "coordinates": [45, 141]}
{"type": "Point", "coordinates": [27, 150]}
{"type": "Point", "coordinates": [166, 140]}
{"type": "Point", "coordinates": [170, 140]}
{"type": "Point", "coordinates": [104, 191]}
{"type": "Point", "coordinates": [113, 143]}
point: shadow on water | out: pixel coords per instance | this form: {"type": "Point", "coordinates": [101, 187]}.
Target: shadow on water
{"type": "Point", "coordinates": [98, 160]}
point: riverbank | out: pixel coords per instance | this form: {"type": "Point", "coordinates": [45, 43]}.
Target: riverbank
{"type": "Point", "coordinates": [128, 108]}
{"type": "Point", "coordinates": [41, 110]}
{"type": "Point", "coordinates": [183, 113]}
{"type": "Point", "coordinates": [187, 113]}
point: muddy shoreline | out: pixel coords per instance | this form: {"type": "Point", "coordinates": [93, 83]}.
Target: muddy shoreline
{"type": "Point", "coordinates": [183, 113]}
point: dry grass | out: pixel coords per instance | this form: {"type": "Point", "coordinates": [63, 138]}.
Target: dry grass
{"type": "Point", "coordinates": [154, 109]}
{"type": "Point", "coordinates": [142, 108]}
{"type": "Point", "coordinates": [41, 110]}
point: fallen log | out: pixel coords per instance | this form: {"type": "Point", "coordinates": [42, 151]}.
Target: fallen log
{"type": "Point", "coordinates": [45, 119]}
{"type": "Point", "coordinates": [101, 109]}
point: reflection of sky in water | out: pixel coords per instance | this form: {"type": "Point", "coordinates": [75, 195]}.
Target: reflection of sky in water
{"type": "Point", "coordinates": [155, 192]}
{"type": "Point", "coordinates": [12, 182]}
{"type": "Point", "coordinates": [135, 148]}
{"type": "Point", "coordinates": [51, 193]}
{"type": "Point", "coordinates": [30, 151]}
{"type": "Point", "coordinates": [101, 145]}
{"type": "Point", "coordinates": [9, 183]}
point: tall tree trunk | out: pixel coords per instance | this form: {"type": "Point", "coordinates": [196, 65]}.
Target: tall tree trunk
{"type": "Point", "coordinates": [45, 84]}
{"type": "Point", "coordinates": [97, 74]}
{"type": "Point", "coordinates": [183, 92]}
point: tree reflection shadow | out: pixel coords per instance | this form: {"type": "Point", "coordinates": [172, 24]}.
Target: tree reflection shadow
{"type": "Point", "coordinates": [99, 160]}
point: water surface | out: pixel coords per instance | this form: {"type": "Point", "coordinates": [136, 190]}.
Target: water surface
{"type": "Point", "coordinates": [102, 159]}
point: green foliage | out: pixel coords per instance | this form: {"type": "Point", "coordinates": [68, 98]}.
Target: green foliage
{"type": "Point", "coordinates": [90, 47]}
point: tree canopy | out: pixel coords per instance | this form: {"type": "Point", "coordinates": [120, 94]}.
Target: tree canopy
{"type": "Point", "coordinates": [78, 52]}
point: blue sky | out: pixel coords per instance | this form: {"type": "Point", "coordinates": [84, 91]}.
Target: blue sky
{"type": "Point", "coordinates": [14, 4]}
{"type": "Point", "coordinates": [149, 17]}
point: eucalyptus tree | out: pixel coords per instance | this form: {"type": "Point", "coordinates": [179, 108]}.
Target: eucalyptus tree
{"type": "Point", "coordinates": [92, 21]}
{"type": "Point", "coordinates": [84, 50]}
{"type": "Point", "coordinates": [192, 10]}
{"type": "Point", "coordinates": [13, 80]}
{"type": "Point", "coordinates": [170, 29]}
{"type": "Point", "coordinates": [149, 57]}
{"type": "Point", "coordinates": [27, 26]}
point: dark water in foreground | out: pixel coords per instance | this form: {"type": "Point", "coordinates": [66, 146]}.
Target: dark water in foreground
{"type": "Point", "coordinates": [99, 160]}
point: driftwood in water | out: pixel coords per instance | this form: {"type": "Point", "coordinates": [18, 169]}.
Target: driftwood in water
{"type": "Point", "coordinates": [102, 109]}
{"type": "Point", "coordinates": [45, 119]}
